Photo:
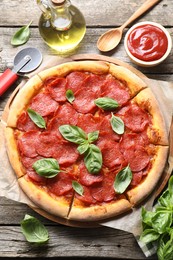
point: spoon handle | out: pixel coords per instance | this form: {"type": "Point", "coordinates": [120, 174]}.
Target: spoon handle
{"type": "Point", "coordinates": [147, 5]}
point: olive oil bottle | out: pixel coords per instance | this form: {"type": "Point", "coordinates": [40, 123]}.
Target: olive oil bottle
{"type": "Point", "coordinates": [62, 25]}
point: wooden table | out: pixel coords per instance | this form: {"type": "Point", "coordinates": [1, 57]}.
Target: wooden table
{"type": "Point", "coordinates": [77, 243]}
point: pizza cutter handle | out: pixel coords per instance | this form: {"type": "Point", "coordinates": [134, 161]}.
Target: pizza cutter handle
{"type": "Point", "coordinates": [6, 80]}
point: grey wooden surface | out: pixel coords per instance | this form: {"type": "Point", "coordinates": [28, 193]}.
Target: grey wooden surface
{"type": "Point", "coordinates": [76, 243]}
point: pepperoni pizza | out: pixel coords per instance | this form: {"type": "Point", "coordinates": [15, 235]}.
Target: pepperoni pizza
{"type": "Point", "coordinates": [87, 140]}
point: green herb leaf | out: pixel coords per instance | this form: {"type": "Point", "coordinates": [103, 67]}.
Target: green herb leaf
{"type": "Point", "coordinates": [149, 235]}
{"type": "Point", "coordinates": [166, 199]}
{"type": "Point", "coordinates": [36, 118]}
{"type": "Point", "coordinates": [165, 248]}
{"type": "Point", "coordinates": [93, 159]}
{"type": "Point", "coordinates": [147, 216]}
{"type": "Point", "coordinates": [106, 103]}
{"type": "Point", "coordinates": [93, 136]}
{"type": "Point", "coordinates": [82, 148]}
{"type": "Point", "coordinates": [161, 221]}
{"type": "Point", "coordinates": [47, 168]}
{"type": "Point", "coordinates": [33, 230]}
{"type": "Point", "coordinates": [122, 180]}
{"type": "Point", "coordinates": [21, 36]}
{"type": "Point", "coordinates": [70, 96]}
{"type": "Point", "coordinates": [73, 134]}
{"type": "Point", "coordinates": [117, 124]}
{"type": "Point", "coordinates": [77, 187]}
{"type": "Point", "coordinates": [170, 185]}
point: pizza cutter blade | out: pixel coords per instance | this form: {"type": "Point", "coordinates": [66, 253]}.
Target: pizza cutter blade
{"type": "Point", "coordinates": [25, 61]}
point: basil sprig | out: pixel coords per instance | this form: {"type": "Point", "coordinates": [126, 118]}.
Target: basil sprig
{"type": "Point", "coordinates": [122, 180]}
{"type": "Point", "coordinates": [21, 36]}
{"type": "Point", "coordinates": [158, 224]}
{"type": "Point", "coordinates": [33, 230]}
{"type": "Point", "coordinates": [77, 187]}
{"type": "Point", "coordinates": [36, 118]}
{"type": "Point", "coordinates": [92, 154]}
{"type": "Point", "coordinates": [106, 103]}
{"type": "Point", "coordinates": [47, 168]}
{"type": "Point", "coordinates": [70, 96]}
{"type": "Point", "coordinates": [117, 124]}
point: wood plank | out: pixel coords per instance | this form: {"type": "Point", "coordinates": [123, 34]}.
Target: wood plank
{"type": "Point", "coordinates": [71, 242]}
{"type": "Point", "coordinates": [88, 45]}
{"type": "Point", "coordinates": [108, 13]}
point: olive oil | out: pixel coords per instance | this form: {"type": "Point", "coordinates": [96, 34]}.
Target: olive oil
{"type": "Point", "coordinates": [62, 29]}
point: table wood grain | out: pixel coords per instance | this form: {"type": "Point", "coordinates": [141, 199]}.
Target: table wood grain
{"type": "Point", "coordinates": [75, 243]}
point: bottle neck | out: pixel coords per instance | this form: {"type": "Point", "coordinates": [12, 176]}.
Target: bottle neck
{"type": "Point", "coordinates": [61, 18]}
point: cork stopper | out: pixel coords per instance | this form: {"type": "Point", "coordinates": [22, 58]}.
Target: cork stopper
{"type": "Point", "coordinates": [58, 2]}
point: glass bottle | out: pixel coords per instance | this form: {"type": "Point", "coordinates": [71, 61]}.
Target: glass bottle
{"type": "Point", "coordinates": [61, 25]}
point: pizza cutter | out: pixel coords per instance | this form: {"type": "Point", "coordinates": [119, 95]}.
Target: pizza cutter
{"type": "Point", "coordinates": [25, 61]}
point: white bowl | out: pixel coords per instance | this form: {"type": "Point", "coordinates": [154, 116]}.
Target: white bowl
{"type": "Point", "coordinates": [140, 61]}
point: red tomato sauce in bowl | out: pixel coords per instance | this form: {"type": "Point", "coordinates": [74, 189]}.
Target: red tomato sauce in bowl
{"type": "Point", "coordinates": [148, 43]}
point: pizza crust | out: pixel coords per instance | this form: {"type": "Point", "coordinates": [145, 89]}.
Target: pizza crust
{"type": "Point", "coordinates": [157, 133]}
{"type": "Point", "coordinates": [13, 153]}
{"type": "Point", "coordinates": [134, 83]}
{"type": "Point", "coordinates": [97, 67]}
{"type": "Point", "coordinates": [99, 212]}
{"type": "Point", "coordinates": [140, 192]}
{"type": "Point", "coordinates": [22, 99]}
{"type": "Point", "coordinates": [58, 206]}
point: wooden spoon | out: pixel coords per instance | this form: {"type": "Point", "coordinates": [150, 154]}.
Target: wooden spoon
{"type": "Point", "coordinates": [111, 38]}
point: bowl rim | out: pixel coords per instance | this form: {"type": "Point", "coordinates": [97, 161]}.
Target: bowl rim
{"type": "Point", "coordinates": [147, 63]}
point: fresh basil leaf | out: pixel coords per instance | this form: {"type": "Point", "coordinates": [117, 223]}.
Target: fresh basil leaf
{"type": "Point", "coordinates": [93, 136]}
{"type": "Point", "coordinates": [165, 248]}
{"type": "Point", "coordinates": [93, 159]}
{"type": "Point", "coordinates": [82, 148]}
{"type": "Point", "coordinates": [77, 187]}
{"type": "Point", "coordinates": [170, 185]}
{"type": "Point", "coordinates": [21, 36]}
{"type": "Point", "coordinates": [106, 103]}
{"type": "Point", "coordinates": [36, 118]}
{"type": "Point", "coordinates": [47, 168]}
{"type": "Point", "coordinates": [70, 96]}
{"type": "Point", "coordinates": [33, 230]}
{"type": "Point", "coordinates": [161, 221]}
{"type": "Point", "coordinates": [149, 235]}
{"type": "Point", "coordinates": [166, 199]}
{"type": "Point", "coordinates": [122, 180]}
{"type": "Point", "coordinates": [73, 134]}
{"type": "Point", "coordinates": [117, 124]}
{"type": "Point", "coordinates": [147, 216]}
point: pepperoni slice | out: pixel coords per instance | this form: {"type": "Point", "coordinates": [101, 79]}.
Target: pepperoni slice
{"type": "Point", "coordinates": [27, 143]}
{"type": "Point", "coordinates": [28, 162]}
{"type": "Point", "coordinates": [104, 192]}
{"type": "Point", "coordinates": [65, 114]}
{"type": "Point", "coordinates": [47, 144]}
{"type": "Point", "coordinates": [75, 80]}
{"type": "Point", "coordinates": [113, 89]}
{"type": "Point", "coordinates": [87, 198]}
{"type": "Point", "coordinates": [36, 178]}
{"type": "Point", "coordinates": [137, 177]}
{"type": "Point", "coordinates": [24, 123]}
{"type": "Point", "coordinates": [86, 178]}
{"type": "Point", "coordinates": [57, 89]}
{"type": "Point", "coordinates": [112, 157]}
{"type": "Point", "coordinates": [84, 98]}
{"type": "Point", "coordinates": [84, 101]}
{"type": "Point", "coordinates": [89, 123]}
{"type": "Point", "coordinates": [137, 157]}
{"type": "Point", "coordinates": [131, 139]}
{"type": "Point", "coordinates": [136, 119]}
{"type": "Point", "coordinates": [60, 184]}
{"type": "Point", "coordinates": [43, 104]}
{"type": "Point", "coordinates": [66, 154]}
{"type": "Point", "coordinates": [106, 130]}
